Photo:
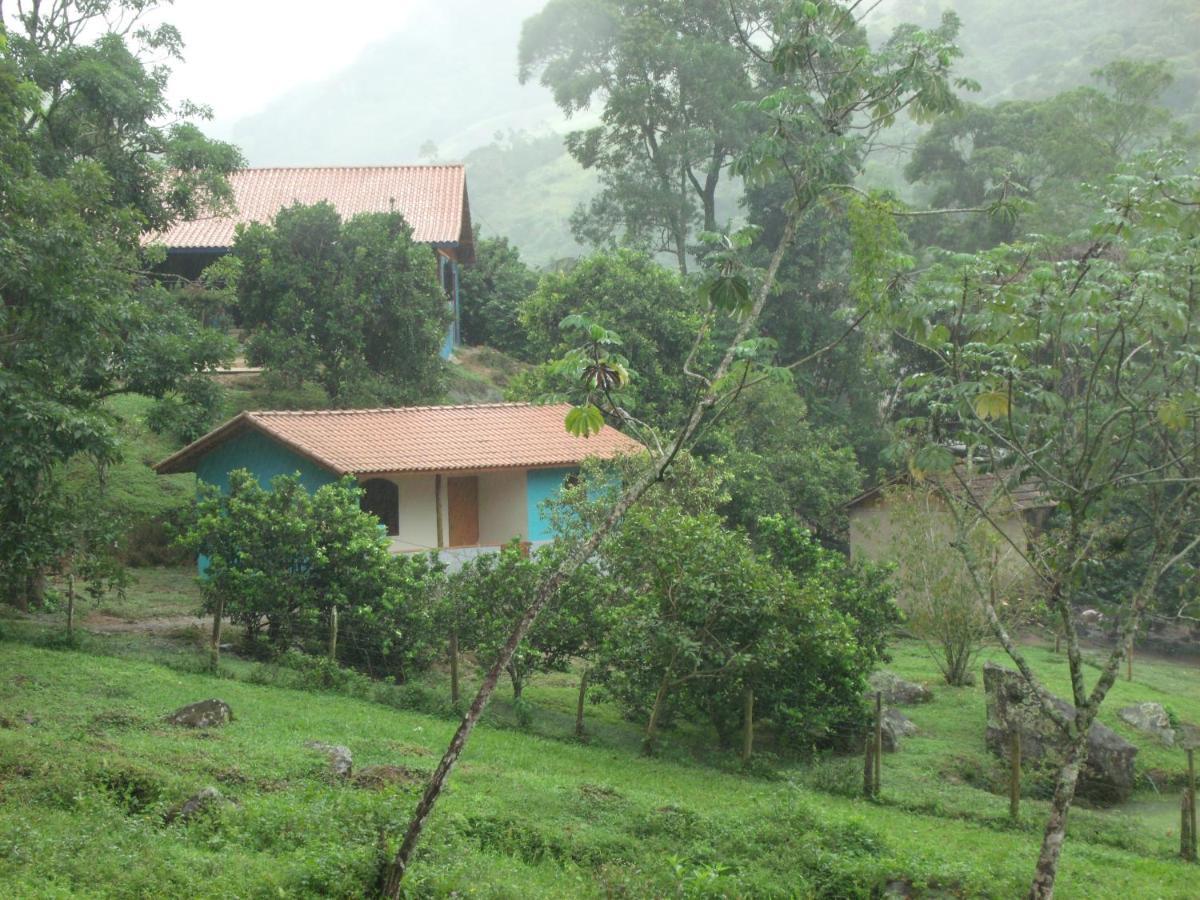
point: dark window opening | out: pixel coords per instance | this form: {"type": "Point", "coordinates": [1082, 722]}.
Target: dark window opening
{"type": "Point", "coordinates": [381, 498]}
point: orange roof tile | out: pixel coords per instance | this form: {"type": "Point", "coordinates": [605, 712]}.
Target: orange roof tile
{"type": "Point", "coordinates": [432, 199]}
{"type": "Point", "coordinates": [419, 438]}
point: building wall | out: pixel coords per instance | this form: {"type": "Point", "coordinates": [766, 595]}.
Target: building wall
{"type": "Point", "coordinates": [418, 519]}
{"type": "Point", "coordinates": [264, 458]}
{"type": "Point", "coordinates": [502, 513]}
{"type": "Point", "coordinates": [540, 486]}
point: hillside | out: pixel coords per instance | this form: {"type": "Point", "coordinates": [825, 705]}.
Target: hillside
{"type": "Point", "coordinates": [88, 769]}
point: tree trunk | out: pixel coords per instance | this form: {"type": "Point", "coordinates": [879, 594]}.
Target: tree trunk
{"type": "Point", "coordinates": [747, 724]}
{"type": "Point", "coordinates": [1044, 875]}
{"type": "Point", "coordinates": [454, 666]}
{"type": "Point", "coordinates": [333, 633]}
{"type": "Point", "coordinates": [1014, 776]}
{"type": "Point", "coordinates": [518, 681]}
{"type": "Point", "coordinates": [583, 685]}
{"type": "Point", "coordinates": [878, 749]}
{"type": "Point", "coordinates": [869, 765]}
{"type": "Point", "coordinates": [70, 604]}
{"type": "Point", "coordinates": [655, 711]}
{"type": "Point", "coordinates": [214, 651]}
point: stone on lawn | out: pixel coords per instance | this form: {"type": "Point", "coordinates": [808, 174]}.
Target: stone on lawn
{"type": "Point", "coordinates": [378, 777]}
{"type": "Point", "coordinates": [1150, 718]}
{"type": "Point", "coordinates": [1107, 776]}
{"type": "Point", "coordinates": [896, 725]}
{"type": "Point", "coordinates": [193, 805]}
{"type": "Point", "coordinates": [340, 760]}
{"type": "Point", "coordinates": [205, 714]}
{"type": "Point", "coordinates": [898, 692]}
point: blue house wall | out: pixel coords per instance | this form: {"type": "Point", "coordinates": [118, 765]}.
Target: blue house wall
{"type": "Point", "coordinates": [263, 458]}
{"type": "Point", "coordinates": [542, 485]}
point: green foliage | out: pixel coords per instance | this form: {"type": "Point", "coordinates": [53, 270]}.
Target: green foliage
{"type": "Point", "coordinates": [647, 306]}
{"type": "Point", "coordinates": [87, 169]}
{"type": "Point", "coordinates": [355, 305]}
{"type": "Point", "coordinates": [491, 293]}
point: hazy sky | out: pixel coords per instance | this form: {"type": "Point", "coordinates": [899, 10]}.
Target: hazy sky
{"type": "Point", "coordinates": [242, 53]}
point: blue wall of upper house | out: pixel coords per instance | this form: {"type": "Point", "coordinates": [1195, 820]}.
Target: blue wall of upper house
{"type": "Point", "coordinates": [263, 458]}
{"type": "Point", "coordinates": [448, 276]}
{"type": "Point", "coordinates": [542, 485]}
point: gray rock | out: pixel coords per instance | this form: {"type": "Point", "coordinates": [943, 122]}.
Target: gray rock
{"type": "Point", "coordinates": [898, 692]}
{"type": "Point", "coordinates": [1187, 736]}
{"type": "Point", "coordinates": [340, 761]}
{"type": "Point", "coordinates": [193, 805]}
{"type": "Point", "coordinates": [205, 714]}
{"type": "Point", "coordinates": [1150, 718]}
{"type": "Point", "coordinates": [1107, 775]}
{"type": "Point", "coordinates": [896, 725]}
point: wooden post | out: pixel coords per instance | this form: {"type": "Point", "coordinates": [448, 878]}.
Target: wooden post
{"type": "Point", "coordinates": [214, 652]}
{"type": "Point", "coordinates": [437, 510]}
{"type": "Point", "coordinates": [1191, 804]}
{"type": "Point", "coordinates": [583, 684]}
{"type": "Point", "coordinates": [333, 633]}
{"type": "Point", "coordinates": [1014, 777]}
{"type": "Point", "coordinates": [454, 664]}
{"type": "Point", "coordinates": [1129, 661]}
{"type": "Point", "coordinates": [878, 752]}
{"type": "Point", "coordinates": [747, 724]}
{"type": "Point", "coordinates": [1057, 642]}
{"type": "Point", "coordinates": [70, 603]}
{"type": "Point", "coordinates": [869, 766]}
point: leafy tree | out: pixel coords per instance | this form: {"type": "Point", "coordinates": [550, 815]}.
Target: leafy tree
{"type": "Point", "coordinates": [672, 76]}
{"type": "Point", "coordinates": [355, 305]}
{"type": "Point", "coordinates": [491, 293]}
{"type": "Point", "coordinates": [830, 81]}
{"type": "Point", "coordinates": [1075, 367]}
{"type": "Point", "coordinates": [87, 170]}
{"type": "Point", "coordinates": [629, 293]}
{"type": "Point", "coordinates": [1038, 151]}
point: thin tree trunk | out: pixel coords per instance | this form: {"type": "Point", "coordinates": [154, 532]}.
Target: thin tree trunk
{"type": "Point", "coordinates": [747, 724]}
{"type": "Point", "coordinates": [214, 651]}
{"type": "Point", "coordinates": [70, 604]}
{"type": "Point", "coordinates": [333, 633]}
{"type": "Point", "coordinates": [878, 749]}
{"type": "Point", "coordinates": [1014, 776]}
{"type": "Point", "coordinates": [869, 765]}
{"type": "Point", "coordinates": [454, 695]}
{"type": "Point", "coordinates": [655, 711]}
{"type": "Point", "coordinates": [583, 686]}
{"type": "Point", "coordinates": [570, 564]}
{"type": "Point", "coordinates": [1044, 875]}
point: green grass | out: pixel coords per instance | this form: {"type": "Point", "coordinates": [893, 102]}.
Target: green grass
{"type": "Point", "coordinates": [87, 769]}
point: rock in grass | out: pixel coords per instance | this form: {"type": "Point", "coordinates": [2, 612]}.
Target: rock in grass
{"type": "Point", "coordinates": [205, 714]}
{"type": "Point", "coordinates": [898, 692]}
{"type": "Point", "coordinates": [340, 760]}
{"type": "Point", "coordinates": [1107, 776]}
{"type": "Point", "coordinates": [896, 725]}
{"type": "Point", "coordinates": [193, 805]}
{"type": "Point", "coordinates": [1150, 718]}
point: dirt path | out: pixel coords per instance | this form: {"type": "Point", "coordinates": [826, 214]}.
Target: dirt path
{"type": "Point", "coordinates": [99, 623]}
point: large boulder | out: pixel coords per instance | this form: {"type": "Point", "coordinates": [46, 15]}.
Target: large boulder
{"type": "Point", "coordinates": [1107, 776]}
{"type": "Point", "coordinates": [898, 692]}
{"type": "Point", "coordinates": [1150, 718]}
{"type": "Point", "coordinates": [205, 714]}
{"type": "Point", "coordinates": [895, 725]}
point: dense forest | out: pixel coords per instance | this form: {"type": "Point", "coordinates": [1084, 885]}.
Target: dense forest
{"type": "Point", "coordinates": [931, 268]}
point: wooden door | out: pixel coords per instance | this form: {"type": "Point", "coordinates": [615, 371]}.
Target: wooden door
{"type": "Point", "coordinates": [462, 502]}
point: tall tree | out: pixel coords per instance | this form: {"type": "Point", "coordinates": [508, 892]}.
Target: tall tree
{"type": "Point", "coordinates": [87, 170]}
{"type": "Point", "coordinates": [493, 290]}
{"type": "Point", "coordinates": [355, 306]}
{"type": "Point", "coordinates": [835, 96]}
{"type": "Point", "coordinates": [1078, 367]}
{"type": "Point", "coordinates": [671, 76]}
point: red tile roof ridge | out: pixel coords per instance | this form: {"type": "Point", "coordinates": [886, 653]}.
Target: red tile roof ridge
{"type": "Point", "coordinates": [339, 168]}
{"type": "Point", "coordinates": [388, 409]}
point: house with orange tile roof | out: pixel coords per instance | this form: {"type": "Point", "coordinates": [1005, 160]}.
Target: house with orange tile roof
{"type": "Point", "coordinates": [432, 199]}
{"type": "Point", "coordinates": [456, 479]}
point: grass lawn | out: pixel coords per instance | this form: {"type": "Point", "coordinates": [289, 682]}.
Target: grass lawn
{"type": "Point", "coordinates": [88, 768]}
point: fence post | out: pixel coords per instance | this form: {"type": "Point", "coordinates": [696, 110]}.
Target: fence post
{"type": "Point", "coordinates": [1191, 802]}
{"type": "Point", "coordinates": [1014, 778]}
{"type": "Point", "coordinates": [869, 766]}
{"type": "Point", "coordinates": [214, 650]}
{"type": "Point", "coordinates": [878, 742]}
{"type": "Point", "coordinates": [454, 665]}
{"type": "Point", "coordinates": [748, 733]}
{"type": "Point", "coordinates": [333, 633]}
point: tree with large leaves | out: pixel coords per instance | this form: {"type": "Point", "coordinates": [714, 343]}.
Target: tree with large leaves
{"type": "Point", "coordinates": [835, 93]}
{"type": "Point", "coordinates": [1076, 367]}
{"type": "Point", "coordinates": [87, 170]}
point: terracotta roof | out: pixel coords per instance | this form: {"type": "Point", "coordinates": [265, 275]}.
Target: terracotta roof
{"type": "Point", "coordinates": [418, 438]}
{"type": "Point", "coordinates": [433, 199]}
{"type": "Point", "coordinates": [982, 486]}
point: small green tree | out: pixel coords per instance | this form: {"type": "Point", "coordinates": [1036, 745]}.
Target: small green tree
{"type": "Point", "coordinates": [492, 291]}
{"type": "Point", "coordinates": [355, 306]}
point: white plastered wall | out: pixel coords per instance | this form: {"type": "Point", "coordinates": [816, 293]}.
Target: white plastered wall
{"type": "Point", "coordinates": [501, 506]}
